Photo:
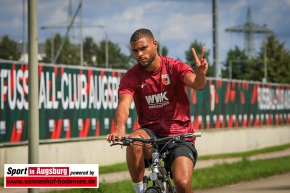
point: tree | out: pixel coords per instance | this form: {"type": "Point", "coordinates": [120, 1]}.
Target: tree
{"type": "Point", "coordinates": [235, 65]}
{"type": "Point", "coordinates": [69, 53]}
{"type": "Point", "coordinates": [164, 50]}
{"type": "Point", "coordinates": [244, 68]}
{"type": "Point", "coordinates": [278, 60]}
{"type": "Point", "coordinates": [90, 52]}
{"type": "Point", "coordinates": [190, 59]}
{"type": "Point", "coordinates": [131, 59]}
{"type": "Point", "coordinates": [9, 49]}
{"type": "Point", "coordinates": [116, 58]}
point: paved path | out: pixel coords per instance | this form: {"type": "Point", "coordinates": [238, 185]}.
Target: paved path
{"type": "Point", "coordinates": [276, 184]}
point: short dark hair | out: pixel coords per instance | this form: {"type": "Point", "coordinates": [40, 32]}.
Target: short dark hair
{"type": "Point", "coordinates": [141, 33]}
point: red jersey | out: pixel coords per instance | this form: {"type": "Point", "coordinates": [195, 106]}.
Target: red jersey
{"type": "Point", "coordinates": [160, 97]}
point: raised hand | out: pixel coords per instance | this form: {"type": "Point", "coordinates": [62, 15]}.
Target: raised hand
{"type": "Point", "coordinates": [201, 65]}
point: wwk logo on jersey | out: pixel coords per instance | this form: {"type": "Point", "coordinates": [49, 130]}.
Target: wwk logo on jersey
{"type": "Point", "coordinates": [165, 79]}
{"type": "Point", "coordinates": [157, 100]}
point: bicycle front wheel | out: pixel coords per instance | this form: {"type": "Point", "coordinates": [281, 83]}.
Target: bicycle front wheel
{"type": "Point", "coordinates": [153, 189]}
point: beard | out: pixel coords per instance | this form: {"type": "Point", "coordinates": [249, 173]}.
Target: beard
{"type": "Point", "coordinates": [146, 65]}
{"type": "Point", "coordinates": [150, 60]}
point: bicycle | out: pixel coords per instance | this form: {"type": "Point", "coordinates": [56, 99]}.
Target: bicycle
{"type": "Point", "coordinates": [160, 178]}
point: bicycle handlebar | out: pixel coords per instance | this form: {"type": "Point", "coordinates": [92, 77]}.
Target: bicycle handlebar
{"type": "Point", "coordinates": [126, 141]}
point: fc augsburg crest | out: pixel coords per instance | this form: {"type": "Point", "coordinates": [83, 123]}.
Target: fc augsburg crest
{"type": "Point", "coordinates": [165, 79]}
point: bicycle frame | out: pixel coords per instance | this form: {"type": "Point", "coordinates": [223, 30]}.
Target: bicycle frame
{"type": "Point", "coordinates": [159, 176]}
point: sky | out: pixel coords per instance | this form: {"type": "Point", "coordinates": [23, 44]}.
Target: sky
{"type": "Point", "coordinates": [174, 23]}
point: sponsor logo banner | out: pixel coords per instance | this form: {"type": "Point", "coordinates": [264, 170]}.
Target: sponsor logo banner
{"type": "Point", "coordinates": [51, 175]}
{"type": "Point", "coordinates": [80, 102]}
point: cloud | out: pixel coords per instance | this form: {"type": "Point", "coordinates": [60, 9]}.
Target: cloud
{"type": "Point", "coordinates": [51, 15]}
{"type": "Point", "coordinates": [175, 23]}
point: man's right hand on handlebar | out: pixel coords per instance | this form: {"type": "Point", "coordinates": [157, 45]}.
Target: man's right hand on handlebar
{"type": "Point", "coordinates": [116, 135]}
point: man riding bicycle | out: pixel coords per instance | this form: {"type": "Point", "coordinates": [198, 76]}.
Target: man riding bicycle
{"type": "Point", "coordinates": [157, 84]}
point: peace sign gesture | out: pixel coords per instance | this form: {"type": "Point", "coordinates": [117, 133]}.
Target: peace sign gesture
{"type": "Point", "coordinates": [201, 64]}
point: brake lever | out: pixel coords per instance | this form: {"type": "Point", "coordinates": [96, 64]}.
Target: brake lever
{"type": "Point", "coordinates": [116, 143]}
